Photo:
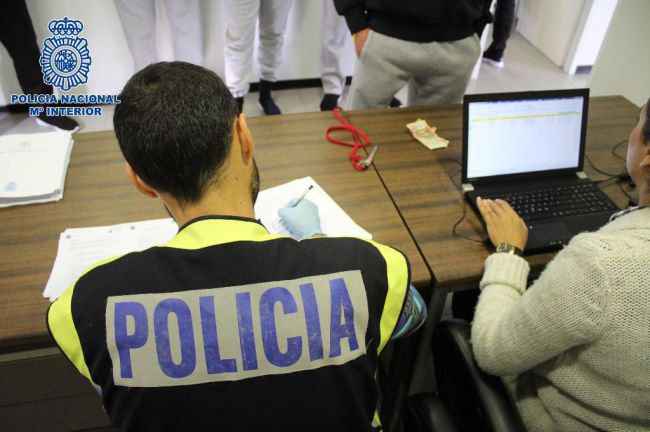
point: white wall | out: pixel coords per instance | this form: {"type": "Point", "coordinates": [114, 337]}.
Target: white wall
{"type": "Point", "coordinates": [112, 64]}
{"type": "Point", "coordinates": [590, 33]}
{"type": "Point", "coordinates": [550, 25]}
{"type": "Point", "coordinates": [623, 64]}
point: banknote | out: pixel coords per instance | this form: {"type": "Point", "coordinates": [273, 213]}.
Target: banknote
{"type": "Point", "coordinates": [426, 134]}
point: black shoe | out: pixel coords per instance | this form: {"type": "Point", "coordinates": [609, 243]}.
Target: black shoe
{"type": "Point", "coordinates": [268, 106]}
{"type": "Point", "coordinates": [15, 108]}
{"type": "Point", "coordinates": [240, 104]}
{"type": "Point", "coordinates": [395, 103]}
{"type": "Point", "coordinates": [62, 123]}
{"type": "Point", "coordinates": [329, 102]}
{"type": "Point", "coordinates": [493, 58]}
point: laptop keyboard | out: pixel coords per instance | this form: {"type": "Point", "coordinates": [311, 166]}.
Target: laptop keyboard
{"type": "Point", "coordinates": [556, 201]}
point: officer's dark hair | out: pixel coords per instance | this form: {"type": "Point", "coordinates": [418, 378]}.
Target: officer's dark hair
{"type": "Point", "coordinates": [174, 126]}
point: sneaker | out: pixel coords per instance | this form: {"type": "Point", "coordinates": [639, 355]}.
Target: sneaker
{"type": "Point", "coordinates": [493, 60]}
{"type": "Point", "coordinates": [395, 103]}
{"type": "Point", "coordinates": [240, 104]}
{"type": "Point", "coordinates": [329, 102]}
{"type": "Point", "coordinates": [268, 106]}
{"type": "Point", "coordinates": [62, 123]}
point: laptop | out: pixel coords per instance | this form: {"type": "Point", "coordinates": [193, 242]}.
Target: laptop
{"type": "Point", "coordinates": [527, 148]}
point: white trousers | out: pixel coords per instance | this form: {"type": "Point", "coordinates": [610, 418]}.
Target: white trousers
{"type": "Point", "coordinates": [240, 37]}
{"type": "Point", "coordinates": [334, 34]}
{"type": "Point", "coordinates": [138, 19]}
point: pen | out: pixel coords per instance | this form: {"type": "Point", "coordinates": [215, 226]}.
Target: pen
{"type": "Point", "coordinates": [303, 195]}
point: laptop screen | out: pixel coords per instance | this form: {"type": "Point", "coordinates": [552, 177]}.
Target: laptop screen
{"type": "Point", "coordinates": [524, 133]}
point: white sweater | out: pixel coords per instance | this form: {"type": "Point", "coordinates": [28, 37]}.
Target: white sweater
{"type": "Point", "coordinates": [575, 347]}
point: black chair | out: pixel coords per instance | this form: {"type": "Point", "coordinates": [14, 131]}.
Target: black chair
{"type": "Point", "coordinates": [468, 398]}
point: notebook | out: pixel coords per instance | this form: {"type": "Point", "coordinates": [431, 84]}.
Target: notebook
{"type": "Point", "coordinates": [528, 149]}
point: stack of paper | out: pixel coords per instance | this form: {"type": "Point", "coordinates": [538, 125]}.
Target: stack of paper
{"type": "Point", "coordinates": [80, 248]}
{"type": "Point", "coordinates": [334, 221]}
{"type": "Point", "coordinates": [33, 167]}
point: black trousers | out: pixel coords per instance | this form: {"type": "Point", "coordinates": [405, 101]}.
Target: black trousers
{"type": "Point", "coordinates": [18, 37]}
{"type": "Point", "coordinates": [504, 17]}
{"type": "Point", "coordinates": [463, 304]}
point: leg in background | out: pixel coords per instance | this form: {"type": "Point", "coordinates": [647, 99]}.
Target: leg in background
{"type": "Point", "coordinates": [185, 20]}
{"type": "Point", "coordinates": [139, 23]}
{"type": "Point", "coordinates": [334, 34]}
{"type": "Point", "coordinates": [443, 76]}
{"type": "Point", "coordinates": [379, 72]}
{"type": "Point", "coordinates": [240, 36]}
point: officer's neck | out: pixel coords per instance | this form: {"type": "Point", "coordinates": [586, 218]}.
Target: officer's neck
{"type": "Point", "coordinates": [224, 201]}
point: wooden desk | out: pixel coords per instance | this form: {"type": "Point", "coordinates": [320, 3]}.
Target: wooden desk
{"type": "Point", "coordinates": [424, 185]}
{"type": "Point", "coordinates": [98, 193]}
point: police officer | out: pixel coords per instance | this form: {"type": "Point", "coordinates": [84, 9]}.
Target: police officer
{"type": "Point", "coordinates": [228, 327]}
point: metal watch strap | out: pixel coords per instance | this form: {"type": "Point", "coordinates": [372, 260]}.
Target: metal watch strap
{"type": "Point", "coordinates": [506, 247]}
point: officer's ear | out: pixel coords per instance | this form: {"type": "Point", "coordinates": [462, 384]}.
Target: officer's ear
{"type": "Point", "coordinates": [139, 184]}
{"type": "Point", "coordinates": [245, 138]}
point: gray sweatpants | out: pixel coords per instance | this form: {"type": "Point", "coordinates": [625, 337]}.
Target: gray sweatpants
{"type": "Point", "coordinates": [437, 72]}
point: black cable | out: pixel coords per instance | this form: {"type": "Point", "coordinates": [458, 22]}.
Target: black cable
{"type": "Point", "coordinates": [462, 217]}
{"type": "Point", "coordinates": [616, 155]}
{"type": "Point", "coordinates": [599, 170]}
{"type": "Point", "coordinates": [458, 186]}
{"type": "Point", "coordinates": [630, 197]}
{"type": "Point", "coordinates": [621, 175]}
{"type": "Point", "coordinates": [617, 178]}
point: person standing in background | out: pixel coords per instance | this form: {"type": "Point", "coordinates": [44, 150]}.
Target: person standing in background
{"type": "Point", "coordinates": [430, 44]}
{"type": "Point", "coordinates": [138, 19]}
{"type": "Point", "coordinates": [334, 34]}
{"type": "Point", "coordinates": [504, 17]}
{"type": "Point", "coordinates": [240, 37]}
{"type": "Point", "coordinates": [19, 38]}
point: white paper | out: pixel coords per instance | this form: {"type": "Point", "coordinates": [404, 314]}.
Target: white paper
{"type": "Point", "coordinates": [334, 221]}
{"type": "Point", "coordinates": [80, 248]}
{"type": "Point", "coordinates": [33, 167]}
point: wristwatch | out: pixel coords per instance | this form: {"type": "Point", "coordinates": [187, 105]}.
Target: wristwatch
{"type": "Point", "coordinates": [509, 249]}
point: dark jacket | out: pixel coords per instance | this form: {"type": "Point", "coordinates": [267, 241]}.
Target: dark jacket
{"type": "Point", "coordinates": [417, 20]}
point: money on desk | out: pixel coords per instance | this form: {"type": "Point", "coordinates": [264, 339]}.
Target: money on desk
{"type": "Point", "coordinates": [426, 134]}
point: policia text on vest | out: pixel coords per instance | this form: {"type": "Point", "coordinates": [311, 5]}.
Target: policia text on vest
{"type": "Point", "coordinates": [234, 333]}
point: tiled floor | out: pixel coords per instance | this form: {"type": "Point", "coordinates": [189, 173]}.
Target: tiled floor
{"type": "Point", "coordinates": [526, 68]}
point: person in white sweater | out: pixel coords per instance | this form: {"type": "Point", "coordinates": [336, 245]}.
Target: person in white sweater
{"type": "Point", "coordinates": [574, 348]}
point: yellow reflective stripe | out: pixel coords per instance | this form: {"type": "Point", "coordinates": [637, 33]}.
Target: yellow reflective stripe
{"type": "Point", "coordinates": [376, 421]}
{"type": "Point", "coordinates": [211, 232]}
{"type": "Point", "coordinates": [59, 320]}
{"type": "Point", "coordinates": [62, 327]}
{"type": "Point", "coordinates": [397, 275]}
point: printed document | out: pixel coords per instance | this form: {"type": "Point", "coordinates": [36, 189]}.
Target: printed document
{"type": "Point", "coordinates": [80, 248]}
{"type": "Point", "coordinates": [33, 167]}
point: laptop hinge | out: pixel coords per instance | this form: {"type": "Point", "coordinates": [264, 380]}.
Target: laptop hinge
{"type": "Point", "coordinates": [467, 187]}
{"type": "Point", "coordinates": [581, 175]}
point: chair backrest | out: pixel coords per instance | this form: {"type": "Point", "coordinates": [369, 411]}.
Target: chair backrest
{"type": "Point", "coordinates": [476, 400]}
